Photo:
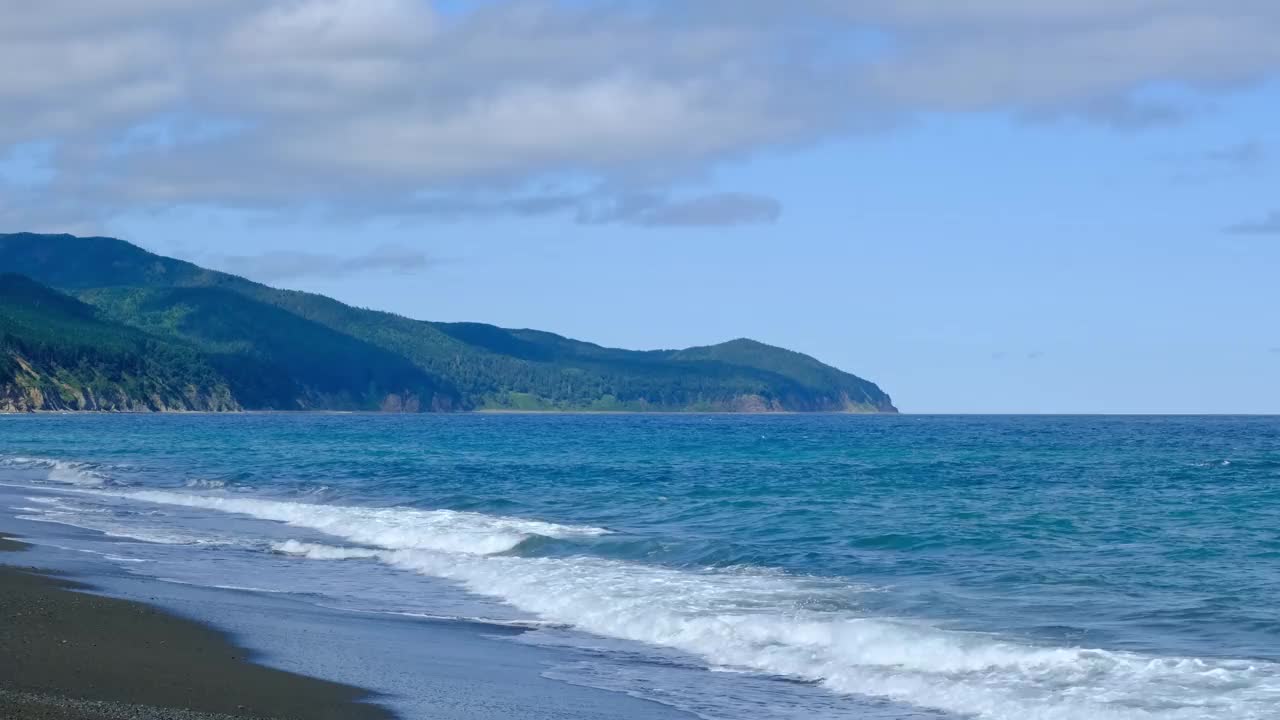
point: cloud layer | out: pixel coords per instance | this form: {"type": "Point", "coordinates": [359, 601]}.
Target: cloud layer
{"type": "Point", "coordinates": [372, 105]}
{"type": "Point", "coordinates": [285, 265]}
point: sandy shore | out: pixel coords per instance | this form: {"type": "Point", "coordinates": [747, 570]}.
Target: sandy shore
{"type": "Point", "coordinates": [69, 655]}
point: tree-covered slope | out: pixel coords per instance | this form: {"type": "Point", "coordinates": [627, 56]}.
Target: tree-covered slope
{"type": "Point", "coordinates": [273, 358]}
{"type": "Point", "coordinates": [340, 356]}
{"type": "Point", "coordinates": [56, 353]}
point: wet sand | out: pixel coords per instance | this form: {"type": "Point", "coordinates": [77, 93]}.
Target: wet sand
{"type": "Point", "coordinates": [69, 655]}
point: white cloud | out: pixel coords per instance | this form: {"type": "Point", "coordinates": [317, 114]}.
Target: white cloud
{"type": "Point", "coordinates": [715, 210]}
{"type": "Point", "coordinates": [287, 265]}
{"type": "Point", "coordinates": [374, 101]}
{"type": "Point", "coordinates": [1079, 65]}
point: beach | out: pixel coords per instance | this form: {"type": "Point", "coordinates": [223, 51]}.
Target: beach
{"type": "Point", "coordinates": [68, 654]}
{"type": "Point", "coordinates": [140, 648]}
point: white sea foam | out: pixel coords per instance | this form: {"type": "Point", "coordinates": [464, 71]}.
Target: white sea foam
{"type": "Point", "coordinates": [315, 551]}
{"type": "Point", "coordinates": [65, 472]}
{"type": "Point", "coordinates": [523, 624]}
{"type": "Point", "coordinates": [394, 528]}
{"type": "Point", "coordinates": [41, 500]}
{"type": "Point", "coordinates": [121, 558]}
{"type": "Point", "coordinates": [72, 510]}
{"type": "Point", "coordinates": [157, 536]}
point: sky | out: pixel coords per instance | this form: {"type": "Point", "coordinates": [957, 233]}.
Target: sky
{"type": "Point", "coordinates": [988, 206]}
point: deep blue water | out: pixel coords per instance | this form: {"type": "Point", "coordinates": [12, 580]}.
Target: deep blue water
{"type": "Point", "coordinates": [994, 567]}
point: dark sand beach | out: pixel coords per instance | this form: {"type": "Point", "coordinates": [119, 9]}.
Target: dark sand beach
{"type": "Point", "coordinates": [66, 654]}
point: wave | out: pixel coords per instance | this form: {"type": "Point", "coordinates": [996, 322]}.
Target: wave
{"type": "Point", "coordinates": [396, 528]}
{"type": "Point", "coordinates": [766, 622]}
{"type": "Point", "coordinates": [113, 530]}
{"type": "Point", "coordinates": [756, 622]}
{"type": "Point", "coordinates": [315, 551]}
{"type": "Point", "coordinates": [468, 619]}
{"type": "Point", "coordinates": [64, 472]}
{"type": "Point", "coordinates": [68, 508]}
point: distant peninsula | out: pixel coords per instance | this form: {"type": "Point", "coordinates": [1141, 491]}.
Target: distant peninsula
{"type": "Point", "coordinates": [98, 324]}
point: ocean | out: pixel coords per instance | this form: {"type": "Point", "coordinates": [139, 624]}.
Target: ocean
{"type": "Point", "coordinates": [733, 567]}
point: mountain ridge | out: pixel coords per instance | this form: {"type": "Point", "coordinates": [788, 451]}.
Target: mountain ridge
{"type": "Point", "coordinates": [293, 350]}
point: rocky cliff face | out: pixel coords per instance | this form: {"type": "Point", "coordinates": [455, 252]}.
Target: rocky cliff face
{"type": "Point", "coordinates": [841, 404]}
{"type": "Point", "coordinates": [14, 399]}
{"type": "Point", "coordinates": [33, 389]}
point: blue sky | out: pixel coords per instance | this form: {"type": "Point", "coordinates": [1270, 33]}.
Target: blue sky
{"type": "Point", "coordinates": [1065, 207]}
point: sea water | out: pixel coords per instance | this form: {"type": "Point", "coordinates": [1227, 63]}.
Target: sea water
{"type": "Point", "coordinates": [828, 566]}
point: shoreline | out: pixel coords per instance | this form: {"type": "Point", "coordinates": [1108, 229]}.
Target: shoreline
{"type": "Point", "coordinates": [446, 667]}
{"type": "Point", "coordinates": [70, 654]}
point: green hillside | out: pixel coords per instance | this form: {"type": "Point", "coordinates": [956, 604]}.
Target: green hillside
{"type": "Point", "coordinates": [56, 353]}
{"type": "Point", "coordinates": [285, 349]}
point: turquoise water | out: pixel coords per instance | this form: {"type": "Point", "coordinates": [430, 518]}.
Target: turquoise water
{"type": "Point", "coordinates": [994, 567]}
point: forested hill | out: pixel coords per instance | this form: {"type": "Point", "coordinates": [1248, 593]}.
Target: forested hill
{"type": "Point", "coordinates": [289, 350]}
{"type": "Point", "coordinates": [56, 354]}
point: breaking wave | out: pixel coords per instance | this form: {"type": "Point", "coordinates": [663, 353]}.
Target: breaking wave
{"type": "Point", "coordinates": [63, 472]}
{"type": "Point", "coordinates": [396, 528]}
{"type": "Point", "coordinates": [758, 622]}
